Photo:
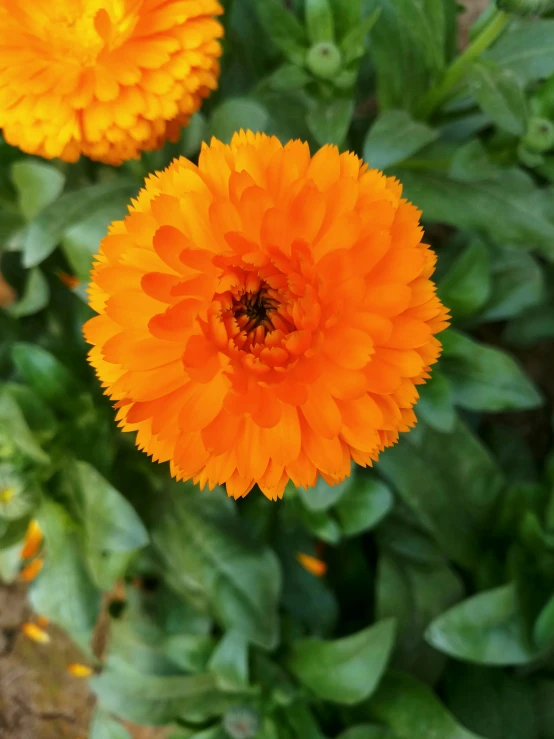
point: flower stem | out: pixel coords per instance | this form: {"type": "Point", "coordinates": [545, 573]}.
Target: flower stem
{"type": "Point", "coordinates": [440, 92]}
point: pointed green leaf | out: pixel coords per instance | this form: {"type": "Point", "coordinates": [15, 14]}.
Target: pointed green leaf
{"type": "Point", "coordinates": [395, 136]}
{"type": "Point", "coordinates": [14, 432]}
{"type": "Point", "coordinates": [38, 184]}
{"type": "Point", "coordinates": [345, 670]}
{"type": "Point", "coordinates": [486, 628]}
{"type": "Point", "coordinates": [500, 95]}
{"type": "Point", "coordinates": [105, 727]}
{"type": "Point", "coordinates": [366, 502]}
{"type": "Point", "coordinates": [237, 113]}
{"type": "Point", "coordinates": [329, 121]}
{"type": "Point", "coordinates": [411, 710]}
{"type": "Point", "coordinates": [484, 378]}
{"type": "Point", "coordinates": [229, 662]}
{"type": "Point", "coordinates": [467, 285]}
{"type": "Point", "coordinates": [319, 20]}
{"type": "Point", "coordinates": [526, 49]}
{"type": "Point", "coordinates": [436, 403]}
{"type": "Point", "coordinates": [35, 295]}
{"type": "Point", "coordinates": [283, 28]}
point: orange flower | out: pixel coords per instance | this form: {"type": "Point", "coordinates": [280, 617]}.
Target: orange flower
{"type": "Point", "coordinates": [105, 78]}
{"type": "Point", "coordinates": [266, 315]}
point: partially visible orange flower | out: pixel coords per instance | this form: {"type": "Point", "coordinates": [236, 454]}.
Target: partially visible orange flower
{"type": "Point", "coordinates": [30, 572]}
{"type": "Point", "coordinates": [313, 565]}
{"type": "Point", "coordinates": [266, 315]}
{"type": "Point", "coordinates": [35, 633]}
{"type": "Point", "coordinates": [42, 621]}
{"type": "Point", "coordinates": [104, 78]}
{"type": "Point", "coordinates": [8, 295]}
{"type": "Point", "coordinates": [78, 670]}
{"type": "Point", "coordinates": [32, 541]}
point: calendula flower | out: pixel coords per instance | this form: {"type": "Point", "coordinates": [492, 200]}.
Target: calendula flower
{"type": "Point", "coordinates": [265, 315]}
{"type": "Point", "coordinates": [105, 78]}
{"type": "Point", "coordinates": [30, 572]}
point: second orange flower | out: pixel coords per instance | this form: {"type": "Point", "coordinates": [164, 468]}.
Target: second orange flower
{"type": "Point", "coordinates": [266, 315]}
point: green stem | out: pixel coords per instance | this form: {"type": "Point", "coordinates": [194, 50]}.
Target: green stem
{"type": "Point", "coordinates": [440, 92]}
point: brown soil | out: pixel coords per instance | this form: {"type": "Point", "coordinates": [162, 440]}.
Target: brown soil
{"type": "Point", "coordinates": [473, 9]}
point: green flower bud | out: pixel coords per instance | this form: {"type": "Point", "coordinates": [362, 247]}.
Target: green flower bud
{"type": "Point", "coordinates": [526, 7]}
{"type": "Point", "coordinates": [242, 722]}
{"type": "Point", "coordinates": [16, 499]}
{"type": "Point", "coordinates": [324, 59]}
{"type": "Point", "coordinates": [539, 136]}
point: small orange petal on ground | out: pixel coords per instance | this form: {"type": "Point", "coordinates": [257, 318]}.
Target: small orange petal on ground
{"type": "Point", "coordinates": [35, 633]}
{"type": "Point", "coordinates": [68, 280]}
{"type": "Point", "coordinates": [42, 621]}
{"type": "Point", "coordinates": [29, 573]}
{"type": "Point", "coordinates": [313, 565]}
{"type": "Point", "coordinates": [33, 540]}
{"type": "Point", "coordinates": [78, 670]}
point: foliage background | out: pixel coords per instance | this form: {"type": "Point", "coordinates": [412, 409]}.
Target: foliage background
{"type": "Point", "coordinates": [435, 618]}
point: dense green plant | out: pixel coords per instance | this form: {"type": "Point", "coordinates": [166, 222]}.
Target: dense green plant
{"type": "Point", "coordinates": [436, 615]}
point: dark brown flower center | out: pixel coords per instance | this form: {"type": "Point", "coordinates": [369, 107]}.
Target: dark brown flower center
{"type": "Point", "coordinates": [256, 307]}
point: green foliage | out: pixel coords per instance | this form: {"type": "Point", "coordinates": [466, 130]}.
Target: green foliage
{"type": "Point", "coordinates": [433, 613]}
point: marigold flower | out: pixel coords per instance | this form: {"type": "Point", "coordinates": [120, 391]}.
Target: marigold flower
{"type": "Point", "coordinates": [266, 315]}
{"type": "Point", "coordinates": [35, 633]}
{"type": "Point", "coordinates": [105, 78]}
{"type": "Point", "coordinates": [32, 541]}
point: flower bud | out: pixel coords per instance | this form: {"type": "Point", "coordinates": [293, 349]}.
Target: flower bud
{"type": "Point", "coordinates": [241, 722]}
{"type": "Point", "coordinates": [324, 59]}
{"type": "Point", "coordinates": [539, 136]}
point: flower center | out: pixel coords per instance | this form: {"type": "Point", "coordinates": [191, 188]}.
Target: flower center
{"type": "Point", "coordinates": [254, 309]}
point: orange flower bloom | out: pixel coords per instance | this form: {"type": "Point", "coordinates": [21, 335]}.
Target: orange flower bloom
{"type": "Point", "coordinates": [266, 315]}
{"type": "Point", "coordinates": [105, 78]}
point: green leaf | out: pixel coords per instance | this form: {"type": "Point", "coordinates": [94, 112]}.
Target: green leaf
{"type": "Point", "coordinates": [436, 403]}
{"type": "Point", "coordinates": [10, 562]}
{"type": "Point", "coordinates": [486, 628]}
{"type": "Point", "coordinates": [329, 121]}
{"type": "Point", "coordinates": [473, 163]}
{"type": "Point", "coordinates": [500, 95]}
{"type": "Point", "coordinates": [64, 592]}
{"type": "Point", "coordinates": [526, 49]}
{"type": "Point", "coordinates": [14, 432]}
{"type": "Point", "coordinates": [484, 378]}
{"type": "Point", "coordinates": [289, 77]}
{"type": "Point", "coordinates": [229, 662]}
{"type": "Point", "coordinates": [36, 295]}
{"type": "Point", "coordinates": [411, 710]}
{"type": "Point", "coordinates": [45, 232]}
{"type": "Point", "coordinates": [110, 520]}
{"type": "Point", "coordinates": [366, 502]}
{"type": "Point", "coordinates": [353, 44]}
{"type": "Point", "coordinates": [509, 210]}
{"type": "Point", "coordinates": [466, 286]}
{"type": "Point", "coordinates": [156, 700]}
{"type": "Point", "coordinates": [492, 702]}
{"type": "Point", "coordinates": [543, 631]}
{"type": "Point", "coordinates": [104, 727]}
{"type": "Point", "coordinates": [395, 136]}
{"type": "Point", "coordinates": [319, 21]}
{"type": "Point", "coordinates": [415, 594]}
{"type": "Point", "coordinates": [37, 185]}
{"type": "Point", "coordinates": [81, 241]}
{"type": "Point", "coordinates": [323, 496]}
{"type": "Point", "coordinates": [347, 14]}
{"type": "Point", "coordinates": [366, 731]}
{"type": "Point", "coordinates": [48, 377]}
{"type": "Point", "coordinates": [283, 28]}
{"type": "Point", "coordinates": [236, 114]}
{"type": "Point", "coordinates": [346, 670]}
{"type": "Point", "coordinates": [517, 285]}
{"type": "Point", "coordinates": [451, 483]}
{"type": "Point", "coordinates": [207, 550]}
{"type": "Point", "coordinates": [23, 494]}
